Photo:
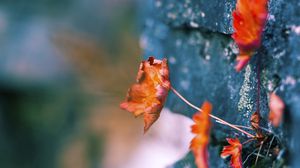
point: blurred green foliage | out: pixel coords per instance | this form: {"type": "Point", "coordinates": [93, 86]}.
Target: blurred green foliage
{"type": "Point", "coordinates": [55, 58]}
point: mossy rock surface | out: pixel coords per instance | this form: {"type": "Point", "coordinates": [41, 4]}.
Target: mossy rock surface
{"type": "Point", "coordinates": [195, 36]}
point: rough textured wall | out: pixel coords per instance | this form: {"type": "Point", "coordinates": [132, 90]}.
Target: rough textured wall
{"type": "Point", "coordinates": [195, 35]}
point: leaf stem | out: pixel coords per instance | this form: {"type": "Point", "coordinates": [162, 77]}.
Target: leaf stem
{"type": "Point", "coordinates": [212, 116]}
{"type": "Point", "coordinates": [239, 126]}
{"type": "Point", "coordinates": [258, 85]}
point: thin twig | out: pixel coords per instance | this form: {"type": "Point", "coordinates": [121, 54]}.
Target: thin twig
{"type": "Point", "coordinates": [265, 129]}
{"type": "Point", "coordinates": [212, 116]}
{"type": "Point", "coordinates": [239, 126]}
{"type": "Point", "coordinates": [262, 142]}
{"type": "Point", "coordinates": [270, 145]}
{"type": "Point", "coordinates": [249, 140]}
{"type": "Point", "coordinates": [259, 155]}
{"type": "Point", "coordinates": [249, 156]}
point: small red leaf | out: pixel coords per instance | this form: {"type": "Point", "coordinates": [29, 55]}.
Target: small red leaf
{"type": "Point", "coordinates": [249, 19]}
{"type": "Point", "coordinates": [276, 106]}
{"type": "Point", "coordinates": [202, 130]}
{"type": "Point", "coordinates": [235, 151]}
{"type": "Point", "coordinates": [147, 96]}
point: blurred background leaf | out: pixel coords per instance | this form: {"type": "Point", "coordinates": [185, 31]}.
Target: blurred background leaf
{"type": "Point", "coordinates": [65, 66]}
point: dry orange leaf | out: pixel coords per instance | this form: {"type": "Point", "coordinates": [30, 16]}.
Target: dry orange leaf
{"type": "Point", "coordinates": [147, 96]}
{"type": "Point", "coordinates": [249, 19]}
{"type": "Point", "coordinates": [235, 151]}
{"type": "Point", "coordinates": [276, 106]}
{"type": "Point", "coordinates": [255, 124]}
{"type": "Point", "coordinates": [202, 130]}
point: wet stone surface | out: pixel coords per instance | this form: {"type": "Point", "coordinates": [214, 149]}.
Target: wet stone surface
{"type": "Point", "coordinates": [195, 36]}
{"type": "Point", "coordinates": [196, 13]}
